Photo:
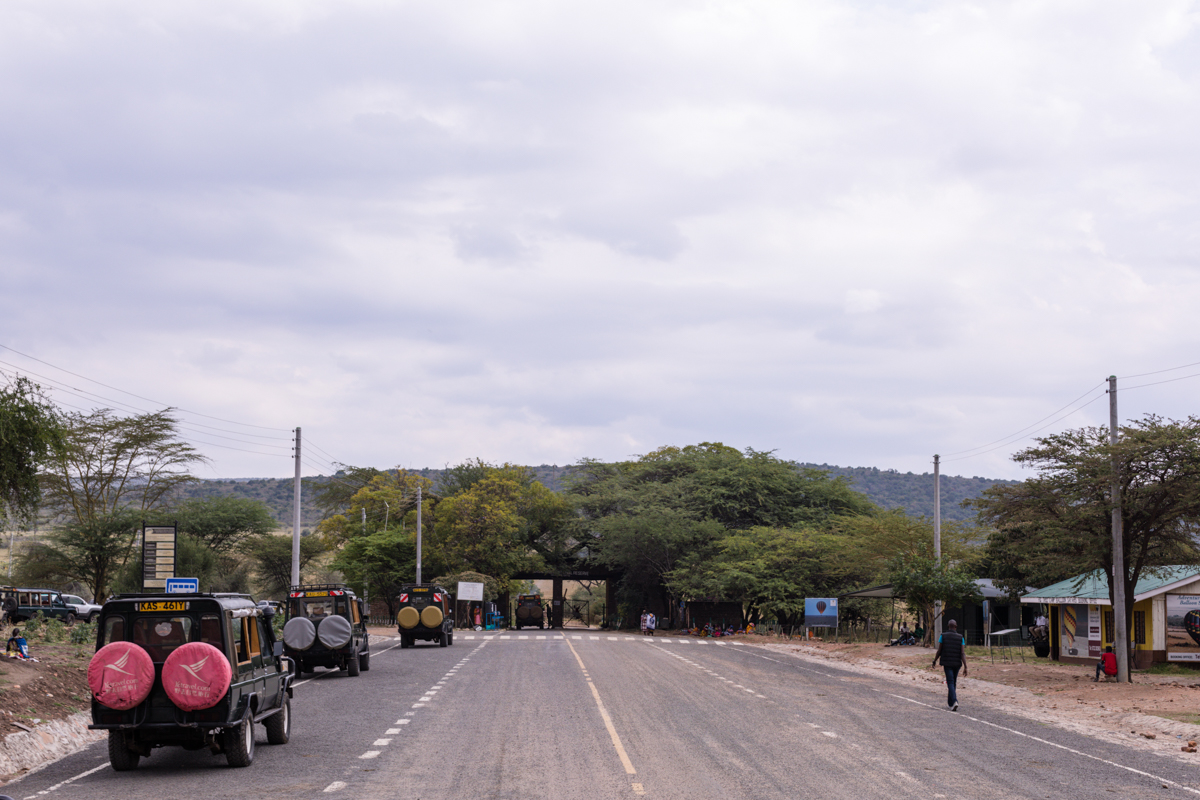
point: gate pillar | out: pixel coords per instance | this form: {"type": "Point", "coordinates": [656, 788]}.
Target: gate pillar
{"type": "Point", "coordinates": [556, 617]}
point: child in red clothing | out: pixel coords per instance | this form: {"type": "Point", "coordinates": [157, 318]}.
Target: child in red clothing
{"type": "Point", "coordinates": [1107, 665]}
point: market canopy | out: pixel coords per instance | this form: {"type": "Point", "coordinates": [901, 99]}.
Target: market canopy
{"type": "Point", "coordinates": [987, 588]}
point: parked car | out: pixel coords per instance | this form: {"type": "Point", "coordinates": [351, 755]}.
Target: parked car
{"type": "Point", "coordinates": [425, 613]}
{"type": "Point", "coordinates": [326, 627]}
{"type": "Point", "coordinates": [189, 670]}
{"type": "Point", "coordinates": [83, 609]}
{"type": "Point", "coordinates": [21, 604]}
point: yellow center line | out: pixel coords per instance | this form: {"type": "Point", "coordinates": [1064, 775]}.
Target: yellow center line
{"type": "Point", "coordinates": [608, 723]}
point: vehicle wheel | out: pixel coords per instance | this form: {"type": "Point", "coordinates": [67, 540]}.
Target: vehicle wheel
{"type": "Point", "coordinates": [352, 665]}
{"type": "Point", "coordinates": [119, 755]}
{"type": "Point", "coordinates": [405, 641]}
{"type": "Point", "coordinates": [95, 615]}
{"type": "Point", "coordinates": [279, 724]}
{"type": "Point", "coordinates": [364, 661]}
{"type": "Point", "coordinates": [239, 743]}
{"type": "Point", "coordinates": [451, 635]}
{"type": "Point", "coordinates": [70, 620]}
{"type": "Point", "coordinates": [442, 640]}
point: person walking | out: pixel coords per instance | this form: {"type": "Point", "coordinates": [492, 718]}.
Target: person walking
{"type": "Point", "coordinates": [651, 621]}
{"type": "Point", "coordinates": [952, 651]}
{"type": "Point", "coordinates": [644, 616]}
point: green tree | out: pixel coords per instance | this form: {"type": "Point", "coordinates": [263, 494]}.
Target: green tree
{"type": "Point", "coordinates": [380, 562]}
{"type": "Point", "coordinates": [388, 499]}
{"type": "Point", "coordinates": [332, 495]}
{"type": "Point", "coordinates": [860, 549]}
{"type": "Point", "coordinates": [922, 580]}
{"type": "Point", "coordinates": [478, 528]}
{"type": "Point", "coordinates": [30, 430]}
{"type": "Point", "coordinates": [92, 551]}
{"type": "Point", "coordinates": [1059, 524]}
{"type": "Point", "coordinates": [272, 560]}
{"type": "Point", "coordinates": [222, 523]}
{"type": "Point", "coordinates": [105, 462]}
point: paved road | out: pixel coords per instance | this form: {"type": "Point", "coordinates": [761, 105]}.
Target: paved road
{"type": "Point", "coordinates": [613, 716]}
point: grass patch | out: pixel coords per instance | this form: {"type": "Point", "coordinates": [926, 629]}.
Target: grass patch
{"type": "Point", "coordinates": [1172, 668]}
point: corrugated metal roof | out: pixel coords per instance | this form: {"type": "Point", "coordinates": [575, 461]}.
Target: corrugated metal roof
{"type": "Point", "coordinates": [1093, 586]}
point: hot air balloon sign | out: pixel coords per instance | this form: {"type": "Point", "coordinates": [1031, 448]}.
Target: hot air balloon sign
{"type": "Point", "coordinates": [820, 612]}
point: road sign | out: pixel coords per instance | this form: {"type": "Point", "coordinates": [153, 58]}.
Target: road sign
{"type": "Point", "coordinates": [158, 556]}
{"type": "Point", "coordinates": [183, 585]}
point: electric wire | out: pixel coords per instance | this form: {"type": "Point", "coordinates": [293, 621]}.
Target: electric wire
{"type": "Point", "coordinates": [1159, 372]}
{"type": "Point", "coordinates": [140, 397]}
{"type": "Point", "coordinates": [1047, 425]}
{"type": "Point", "coordinates": [1158, 383]}
{"type": "Point", "coordinates": [1027, 427]}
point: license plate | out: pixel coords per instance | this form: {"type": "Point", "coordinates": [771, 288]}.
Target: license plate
{"type": "Point", "coordinates": [316, 594]}
{"type": "Point", "coordinates": [163, 605]}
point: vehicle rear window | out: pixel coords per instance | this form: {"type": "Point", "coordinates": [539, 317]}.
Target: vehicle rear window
{"type": "Point", "coordinates": [161, 635]}
{"type": "Point", "coordinates": [317, 607]}
{"type": "Point", "coordinates": [210, 631]}
{"type": "Point", "coordinates": [114, 630]}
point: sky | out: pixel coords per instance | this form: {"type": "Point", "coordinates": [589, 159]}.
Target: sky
{"type": "Point", "coordinates": [531, 232]}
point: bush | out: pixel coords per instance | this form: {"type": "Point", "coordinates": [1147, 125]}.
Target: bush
{"type": "Point", "coordinates": [84, 632]}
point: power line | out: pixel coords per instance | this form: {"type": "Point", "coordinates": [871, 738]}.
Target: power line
{"type": "Point", "coordinates": [1064, 416]}
{"type": "Point", "coordinates": [1158, 372]}
{"type": "Point", "coordinates": [140, 397]}
{"type": "Point", "coordinates": [1027, 427]}
{"type": "Point", "coordinates": [1156, 383]}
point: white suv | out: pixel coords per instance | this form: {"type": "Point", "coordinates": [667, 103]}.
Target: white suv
{"type": "Point", "coordinates": [83, 610]}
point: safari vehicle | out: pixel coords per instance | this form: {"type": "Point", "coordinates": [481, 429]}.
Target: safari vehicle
{"type": "Point", "coordinates": [425, 614]}
{"type": "Point", "coordinates": [190, 670]}
{"type": "Point", "coordinates": [529, 611]}
{"type": "Point", "coordinates": [21, 604]}
{"type": "Point", "coordinates": [326, 627]}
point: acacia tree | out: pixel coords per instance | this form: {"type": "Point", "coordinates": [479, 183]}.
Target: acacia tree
{"type": "Point", "coordinates": [30, 430]}
{"type": "Point", "coordinates": [1059, 523]}
{"type": "Point", "coordinates": [92, 551]}
{"type": "Point", "coordinates": [105, 462]}
{"type": "Point", "coordinates": [922, 580]}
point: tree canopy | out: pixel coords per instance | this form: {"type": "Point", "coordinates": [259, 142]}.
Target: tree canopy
{"type": "Point", "coordinates": [30, 431]}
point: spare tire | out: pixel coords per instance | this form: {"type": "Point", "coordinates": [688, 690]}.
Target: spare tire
{"type": "Point", "coordinates": [431, 617]}
{"type": "Point", "coordinates": [120, 675]}
{"type": "Point", "coordinates": [196, 676]}
{"type": "Point", "coordinates": [334, 632]}
{"type": "Point", "coordinates": [299, 633]}
{"type": "Point", "coordinates": [408, 617]}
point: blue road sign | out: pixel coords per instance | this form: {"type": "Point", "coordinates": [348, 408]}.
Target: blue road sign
{"type": "Point", "coordinates": [183, 585]}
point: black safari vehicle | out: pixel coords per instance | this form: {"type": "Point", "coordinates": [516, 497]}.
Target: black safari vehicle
{"type": "Point", "coordinates": [326, 627]}
{"type": "Point", "coordinates": [425, 614]}
{"type": "Point", "coordinates": [193, 670]}
{"type": "Point", "coordinates": [529, 611]}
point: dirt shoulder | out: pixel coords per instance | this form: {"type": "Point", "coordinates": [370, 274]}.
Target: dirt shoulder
{"type": "Point", "coordinates": [1158, 712]}
{"type": "Point", "coordinates": [52, 688]}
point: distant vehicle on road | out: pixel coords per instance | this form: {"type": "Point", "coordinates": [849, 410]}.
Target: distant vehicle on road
{"type": "Point", "coordinates": [188, 670]}
{"type": "Point", "coordinates": [529, 611]}
{"type": "Point", "coordinates": [21, 604]}
{"type": "Point", "coordinates": [425, 614]}
{"type": "Point", "coordinates": [326, 627]}
{"type": "Point", "coordinates": [83, 609]}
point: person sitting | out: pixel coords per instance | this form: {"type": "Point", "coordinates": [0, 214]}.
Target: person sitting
{"type": "Point", "coordinates": [17, 644]}
{"type": "Point", "coordinates": [1107, 664]}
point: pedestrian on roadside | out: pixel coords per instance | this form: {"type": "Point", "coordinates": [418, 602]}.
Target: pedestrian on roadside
{"type": "Point", "coordinates": [651, 621]}
{"type": "Point", "coordinates": [644, 616]}
{"type": "Point", "coordinates": [953, 654]}
{"type": "Point", "coordinates": [1107, 665]}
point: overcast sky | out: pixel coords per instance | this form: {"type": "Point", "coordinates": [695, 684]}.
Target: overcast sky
{"type": "Point", "coordinates": [853, 233]}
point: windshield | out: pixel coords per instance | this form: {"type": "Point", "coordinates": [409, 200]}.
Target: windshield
{"type": "Point", "coordinates": [317, 607]}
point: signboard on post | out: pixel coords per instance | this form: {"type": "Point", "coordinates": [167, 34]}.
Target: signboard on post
{"type": "Point", "coordinates": [820, 612]}
{"type": "Point", "coordinates": [158, 557]}
{"type": "Point", "coordinates": [1183, 627]}
{"type": "Point", "coordinates": [183, 585]}
{"type": "Point", "coordinates": [470, 592]}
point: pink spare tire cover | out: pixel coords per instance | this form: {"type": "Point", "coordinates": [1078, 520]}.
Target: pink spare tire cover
{"type": "Point", "coordinates": [196, 676]}
{"type": "Point", "coordinates": [121, 675]}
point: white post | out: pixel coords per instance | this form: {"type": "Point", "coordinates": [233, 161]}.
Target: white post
{"type": "Point", "coordinates": [418, 534]}
{"type": "Point", "coordinates": [937, 538]}
{"type": "Point", "coordinates": [1120, 623]}
{"type": "Point", "coordinates": [296, 517]}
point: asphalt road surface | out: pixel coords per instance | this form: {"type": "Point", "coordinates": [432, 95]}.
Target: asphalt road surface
{"type": "Point", "coordinates": [548, 715]}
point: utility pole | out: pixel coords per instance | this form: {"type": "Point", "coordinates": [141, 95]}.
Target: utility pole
{"type": "Point", "coordinates": [366, 586]}
{"type": "Point", "coordinates": [1120, 623]}
{"type": "Point", "coordinates": [418, 534]}
{"type": "Point", "coordinates": [296, 516]}
{"type": "Point", "coordinates": [937, 538]}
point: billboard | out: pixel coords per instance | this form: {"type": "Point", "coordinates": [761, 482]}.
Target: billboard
{"type": "Point", "coordinates": [820, 612]}
{"type": "Point", "coordinates": [1073, 630]}
{"type": "Point", "coordinates": [1183, 627]}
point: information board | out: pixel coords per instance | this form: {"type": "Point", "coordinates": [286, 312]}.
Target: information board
{"type": "Point", "coordinates": [158, 557]}
{"type": "Point", "coordinates": [820, 612]}
{"type": "Point", "coordinates": [471, 592]}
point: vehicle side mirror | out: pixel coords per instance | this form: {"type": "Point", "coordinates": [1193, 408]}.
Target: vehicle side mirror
{"type": "Point", "coordinates": [277, 649]}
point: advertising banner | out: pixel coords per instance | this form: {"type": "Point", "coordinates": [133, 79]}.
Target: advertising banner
{"type": "Point", "coordinates": [471, 592]}
{"type": "Point", "coordinates": [1072, 630]}
{"type": "Point", "coordinates": [1183, 627]}
{"type": "Point", "coordinates": [820, 612]}
{"type": "Point", "coordinates": [1094, 640]}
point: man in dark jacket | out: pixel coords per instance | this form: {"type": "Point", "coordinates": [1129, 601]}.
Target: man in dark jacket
{"type": "Point", "coordinates": [952, 652]}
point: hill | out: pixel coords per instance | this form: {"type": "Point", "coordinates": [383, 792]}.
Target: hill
{"type": "Point", "coordinates": [887, 488]}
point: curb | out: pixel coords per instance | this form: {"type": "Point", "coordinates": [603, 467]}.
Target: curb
{"type": "Point", "coordinates": [25, 752]}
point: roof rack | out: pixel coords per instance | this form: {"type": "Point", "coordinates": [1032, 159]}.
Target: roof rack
{"type": "Point", "coordinates": [318, 586]}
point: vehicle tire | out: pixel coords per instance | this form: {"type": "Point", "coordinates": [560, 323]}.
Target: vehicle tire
{"type": "Point", "coordinates": [442, 640]}
{"type": "Point", "coordinates": [239, 743]}
{"type": "Point", "coordinates": [406, 640]}
{"type": "Point", "coordinates": [279, 724]}
{"type": "Point", "coordinates": [92, 617]}
{"type": "Point", "coordinates": [70, 620]}
{"type": "Point", "coordinates": [364, 661]}
{"type": "Point", "coordinates": [352, 665]}
{"type": "Point", "coordinates": [120, 756]}
{"type": "Point", "coordinates": [451, 634]}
